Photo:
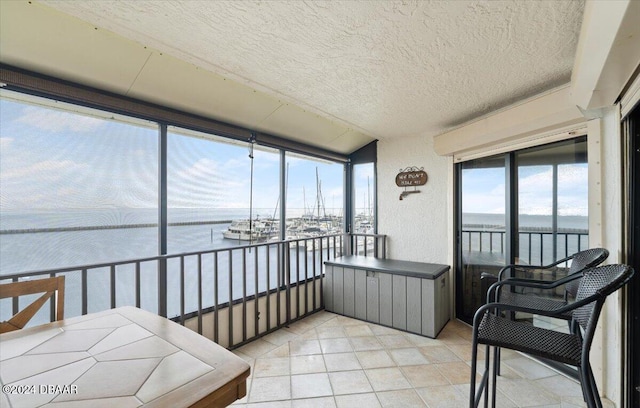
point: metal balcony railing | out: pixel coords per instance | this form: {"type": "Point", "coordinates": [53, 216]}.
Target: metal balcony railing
{"type": "Point", "coordinates": [231, 295]}
{"type": "Point", "coordinates": [535, 247]}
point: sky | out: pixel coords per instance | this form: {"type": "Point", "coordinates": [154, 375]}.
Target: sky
{"type": "Point", "coordinates": [51, 159]}
{"type": "Point", "coordinates": [484, 190]}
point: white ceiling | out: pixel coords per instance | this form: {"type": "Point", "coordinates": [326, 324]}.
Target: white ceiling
{"type": "Point", "coordinates": [336, 74]}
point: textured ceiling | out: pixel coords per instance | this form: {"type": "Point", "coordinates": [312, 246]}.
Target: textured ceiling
{"type": "Point", "coordinates": [385, 68]}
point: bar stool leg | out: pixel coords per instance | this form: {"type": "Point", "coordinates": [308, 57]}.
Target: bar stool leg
{"type": "Point", "coordinates": [474, 366]}
{"type": "Point", "coordinates": [496, 365]}
{"type": "Point", "coordinates": [486, 373]}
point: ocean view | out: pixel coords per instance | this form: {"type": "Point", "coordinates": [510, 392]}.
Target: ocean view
{"type": "Point", "coordinates": [76, 238]}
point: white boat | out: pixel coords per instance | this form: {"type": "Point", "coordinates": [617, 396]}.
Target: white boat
{"type": "Point", "coordinates": [254, 231]}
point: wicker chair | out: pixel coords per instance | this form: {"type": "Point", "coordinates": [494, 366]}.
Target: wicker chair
{"type": "Point", "coordinates": [579, 261]}
{"type": "Point", "coordinates": [493, 330]}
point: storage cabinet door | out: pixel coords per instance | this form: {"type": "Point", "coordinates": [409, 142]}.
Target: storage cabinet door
{"type": "Point", "coordinates": [385, 286]}
{"type": "Point", "coordinates": [349, 291]}
{"type": "Point", "coordinates": [399, 302]}
{"type": "Point", "coordinates": [327, 288]}
{"type": "Point", "coordinates": [442, 299]}
{"type": "Point", "coordinates": [338, 290]}
{"type": "Point", "coordinates": [414, 305]}
{"type": "Point", "coordinates": [428, 321]}
{"type": "Point", "coordinates": [435, 298]}
{"type": "Point", "coordinates": [373, 296]}
{"type": "Point", "coordinates": [361, 294]}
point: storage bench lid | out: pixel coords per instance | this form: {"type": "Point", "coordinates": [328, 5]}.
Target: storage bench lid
{"type": "Point", "coordinates": [391, 266]}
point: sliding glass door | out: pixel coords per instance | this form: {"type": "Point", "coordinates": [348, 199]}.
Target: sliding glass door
{"type": "Point", "coordinates": [523, 207]}
{"type": "Point", "coordinates": [481, 236]}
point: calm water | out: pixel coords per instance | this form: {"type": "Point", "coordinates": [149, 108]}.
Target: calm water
{"type": "Point", "coordinates": [48, 250]}
{"type": "Point", "coordinates": [536, 243]}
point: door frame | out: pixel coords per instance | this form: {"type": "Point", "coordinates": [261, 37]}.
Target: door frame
{"type": "Point", "coordinates": [631, 135]}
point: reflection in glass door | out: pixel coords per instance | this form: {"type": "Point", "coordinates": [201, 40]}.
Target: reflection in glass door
{"type": "Point", "coordinates": [523, 207]}
{"type": "Point", "coordinates": [552, 212]}
{"type": "Point", "coordinates": [482, 226]}
{"type": "Point", "coordinates": [552, 201]}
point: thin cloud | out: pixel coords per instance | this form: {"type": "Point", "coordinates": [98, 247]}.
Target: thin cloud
{"type": "Point", "coordinates": [51, 169]}
{"type": "Point", "coordinates": [6, 142]}
{"type": "Point", "coordinates": [58, 121]}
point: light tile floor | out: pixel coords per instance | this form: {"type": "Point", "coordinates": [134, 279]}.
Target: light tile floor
{"type": "Point", "coordinates": [328, 360]}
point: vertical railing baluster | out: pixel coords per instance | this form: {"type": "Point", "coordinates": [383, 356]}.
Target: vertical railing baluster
{"type": "Point", "coordinates": [182, 300]}
{"type": "Point", "coordinates": [200, 293]}
{"type": "Point", "coordinates": [15, 306]}
{"type": "Point", "coordinates": [112, 285]}
{"type": "Point", "coordinates": [287, 280]}
{"type": "Point", "coordinates": [268, 287]}
{"type": "Point", "coordinates": [83, 285]}
{"type": "Point", "coordinates": [541, 246]}
{"type": "Point", "coordinates": [376, 253]}
{"type": "Point", "coordinates": [162, 286]}
{"type": "Point", "coordinates": [216, 312]}
{"type": "Point", "coordinates": [530, 250]}
{"type": "Point", "coordinates": [281, 249]}
{"type": "Point", "coordinates": [137, 284]}
{"type": "Point", "coordinates": [321, 274]}
{"type": "Point", "coordinates": [298, 287]}
{"type": "Point", "coordinates": [256, 291]}
{"type": "Point", "coordinates": [244, 294]}
{"type": "Point", "coordinates": [314, 273]}
{"type": "Point", "coordinates": [306, 276]}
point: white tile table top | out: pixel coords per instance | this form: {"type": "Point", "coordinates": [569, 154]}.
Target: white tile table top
{"type": "Point", "coordinates": [120, 357]}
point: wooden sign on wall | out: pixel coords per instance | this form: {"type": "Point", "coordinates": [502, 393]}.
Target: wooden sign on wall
{"type": "Point", "coordinates": [411, 177]}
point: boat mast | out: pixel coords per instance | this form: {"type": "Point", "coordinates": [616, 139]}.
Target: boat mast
{"type": "Point", "coordinates": [318, 193]}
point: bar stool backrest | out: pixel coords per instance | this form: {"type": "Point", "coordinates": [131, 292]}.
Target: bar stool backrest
{"type": "Point", "coordinates": [583, 260]}
{"type": "Point", "coordinates": [601, 281]}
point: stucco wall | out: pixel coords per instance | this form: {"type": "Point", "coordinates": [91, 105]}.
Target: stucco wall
{"type": "Point", "coordinates": [417, 227]}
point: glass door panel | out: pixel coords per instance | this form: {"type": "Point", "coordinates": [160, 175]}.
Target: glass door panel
{"type": "Point", "coordinates": [524, 207]}
{"type": "Point", "coordinates": [552, 218]}
{"type": "Point", "coordinates": [482, 244]}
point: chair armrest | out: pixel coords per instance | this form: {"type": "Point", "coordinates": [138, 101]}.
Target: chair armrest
{"type": "Point", "coordinates": [518, 266]}
{"type": "Point", "coordinates": [529, 283]}
{"type": "Point", "coordinates": [558, 313]}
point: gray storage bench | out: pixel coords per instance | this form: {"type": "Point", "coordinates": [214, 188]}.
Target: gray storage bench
{"type": "Point", "coordinates": [410, 296]}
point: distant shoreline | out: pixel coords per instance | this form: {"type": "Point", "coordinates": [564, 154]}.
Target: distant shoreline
{"type": "Point", "coordinates": [471, 227]}
{"type": "Point", "coordinates": [501, 228]}
{"type": "Point", "coordinates": [107, 227]}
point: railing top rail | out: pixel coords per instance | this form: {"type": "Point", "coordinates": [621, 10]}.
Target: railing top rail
{"type": "Point", "coordinates": [79, 267]}
{"type": "Point", "coordinates": [533, 230]}
{"type": "Point", "coordinates": [56, 271]}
